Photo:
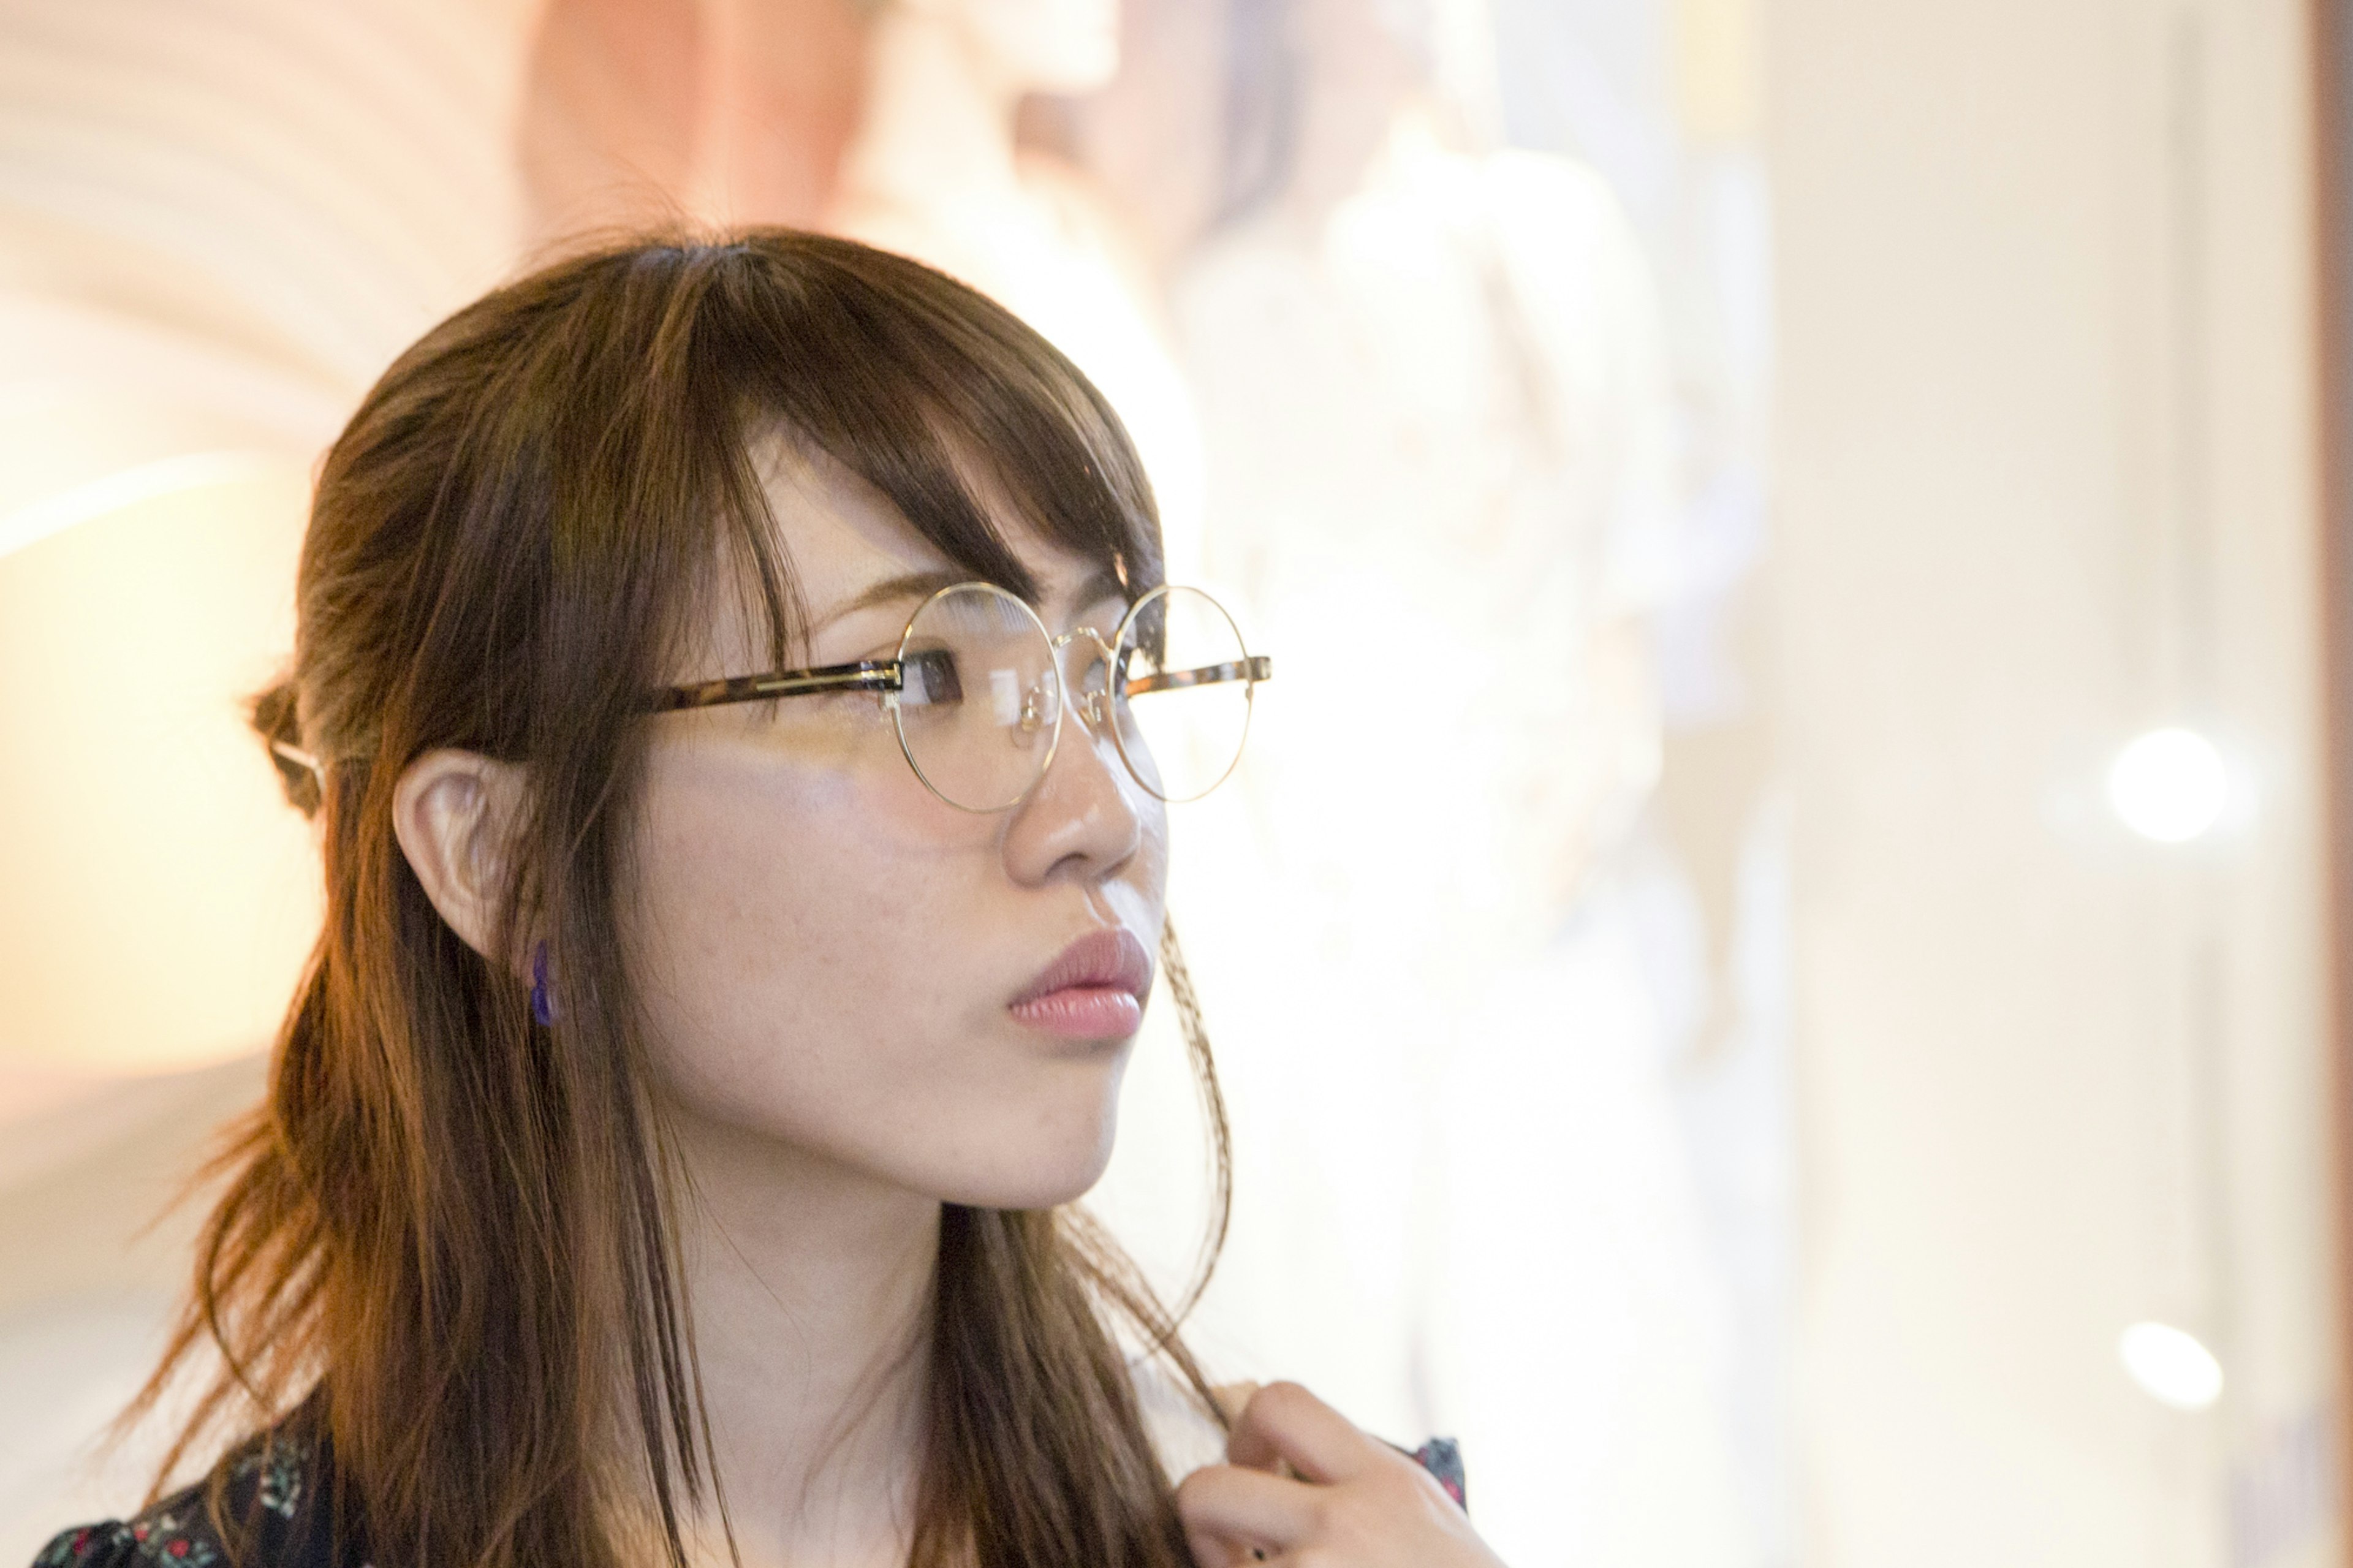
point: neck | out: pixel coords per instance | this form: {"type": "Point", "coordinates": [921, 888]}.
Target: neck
{"type": "Point", "coordinates": [937, 125]}
{"type": "Point", "coordinates": [811, 1288]}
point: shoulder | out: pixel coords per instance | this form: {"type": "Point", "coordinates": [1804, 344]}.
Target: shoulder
{"type": "Point", "coordinates": [267, 1496]}
{"type": "Point", "coordinates": [175, 1530]}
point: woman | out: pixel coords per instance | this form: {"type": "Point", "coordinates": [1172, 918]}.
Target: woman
{"type": "Point", "coordinates": [730, 683]}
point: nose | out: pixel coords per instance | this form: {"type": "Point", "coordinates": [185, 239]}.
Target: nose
{"type": "Point", "coordinates": [1087, 816]}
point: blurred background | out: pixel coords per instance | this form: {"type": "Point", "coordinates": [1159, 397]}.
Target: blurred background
{"type": "Point", "coordinates": [1771, 955]}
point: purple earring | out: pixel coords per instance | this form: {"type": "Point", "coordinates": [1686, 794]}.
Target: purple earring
{"type": "Point", "coordinates": [542, 1008]}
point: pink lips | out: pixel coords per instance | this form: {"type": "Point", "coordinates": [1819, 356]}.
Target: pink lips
{"type": "Point", "coordinates": [1094, 991]}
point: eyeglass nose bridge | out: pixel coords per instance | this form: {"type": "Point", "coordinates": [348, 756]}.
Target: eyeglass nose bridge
{"type": "Point", "coordinates": [1092, 706]}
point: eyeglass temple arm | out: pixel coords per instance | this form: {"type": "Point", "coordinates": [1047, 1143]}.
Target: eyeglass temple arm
{"type": "Point", "coordinates": [866, 675]}
{"type": "Point", "coordinates": [885, 675]}
{"type": "Point", "coordinates": [1258, 666]}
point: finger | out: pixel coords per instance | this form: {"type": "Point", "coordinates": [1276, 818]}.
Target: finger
{"type": "Point", "coordinates": [1284, 1421]}
{"type": "Point", "coordinates": [1208, 1551]}
{"type": "Point", "coordinates": [1213, 1552]}
{"type": "Point", "coordinates": [1239, 1508]}
{"type": "Point", "coordinates": [1232, 1398]}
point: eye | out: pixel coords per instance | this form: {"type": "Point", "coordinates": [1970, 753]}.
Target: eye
{"type": "Point", "coordinates": [929, 676]}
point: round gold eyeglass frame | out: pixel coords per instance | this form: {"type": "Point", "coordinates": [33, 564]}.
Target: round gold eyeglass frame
{"type": "Point", "coordinates": [887, 677]}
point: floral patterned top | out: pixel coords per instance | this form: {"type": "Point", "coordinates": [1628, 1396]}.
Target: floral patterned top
{"type": "Point", "coordinates": [273, 1499]}
{"type": "Point", "coordinates": [275, 1495]}
{"type": "Point", "coordinates": [1442, 1457]}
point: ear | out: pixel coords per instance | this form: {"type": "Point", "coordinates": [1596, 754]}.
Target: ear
{"type": "Point", "coordinates": [454, 813]}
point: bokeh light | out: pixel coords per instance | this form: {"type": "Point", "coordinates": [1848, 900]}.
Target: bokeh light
{"type": "Point", "coordinates": [2170, 786]}
{"type": "Point", "coordinates": [2171, 1366]}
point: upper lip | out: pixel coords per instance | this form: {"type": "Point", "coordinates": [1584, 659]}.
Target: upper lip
{"type": "Point", "coordinates": [1106, 958]}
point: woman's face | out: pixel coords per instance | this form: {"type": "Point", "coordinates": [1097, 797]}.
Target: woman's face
{"type": "Point", "coordinates": [833, 958]}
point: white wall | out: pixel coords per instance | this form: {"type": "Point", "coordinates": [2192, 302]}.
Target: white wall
{"type": "Point", "coordinates": [2045, 480]}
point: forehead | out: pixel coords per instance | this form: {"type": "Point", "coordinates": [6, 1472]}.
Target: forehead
{"type": "Point", "coordinates": [842, 536]}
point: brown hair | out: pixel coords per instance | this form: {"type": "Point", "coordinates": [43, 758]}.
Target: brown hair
{"type": "Point", "coordinates": [447, 1227]}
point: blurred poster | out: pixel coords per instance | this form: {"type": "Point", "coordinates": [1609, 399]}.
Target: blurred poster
{"type": "Point", "coordinates": [1441, 326]}
{"type": "Point", "coordinates": [220, 219]}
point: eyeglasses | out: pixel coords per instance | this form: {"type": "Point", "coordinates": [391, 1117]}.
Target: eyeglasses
{"type": "Point", "coordinates": [976, 693]}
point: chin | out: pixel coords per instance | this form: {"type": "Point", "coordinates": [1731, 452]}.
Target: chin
{"type": "Point", "coordinates": [1046, 1171]}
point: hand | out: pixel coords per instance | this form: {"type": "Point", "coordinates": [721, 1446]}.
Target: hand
{"type": "Point", "coordinates": [1348, 1501]}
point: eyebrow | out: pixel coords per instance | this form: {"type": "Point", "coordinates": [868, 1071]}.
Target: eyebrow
{"type": "Point", "coordinates": [892, 590]}
{"type": "Point", "coordinates": [1094, 589]}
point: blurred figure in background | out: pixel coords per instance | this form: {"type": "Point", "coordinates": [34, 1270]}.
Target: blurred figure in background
{"type": "Point", "coordinates": [891, 121]}
{"type": "Point", "coordinates": [1442, 365]}
{"type": "Point", "coordinates": [934, 171]}
{"type": "Point", "coordinates": [638, 112]}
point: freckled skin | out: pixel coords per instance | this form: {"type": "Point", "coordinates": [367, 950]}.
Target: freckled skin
{"type": "Point", "coordinates": [827, 949]}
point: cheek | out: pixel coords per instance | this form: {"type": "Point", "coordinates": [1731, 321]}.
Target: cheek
{"type": "Point", "coordinates": [1138, 897]}
{"type": "Point", "coordinates": [772, 921]}
{"type": "Point", "coordinates": [825, 962]}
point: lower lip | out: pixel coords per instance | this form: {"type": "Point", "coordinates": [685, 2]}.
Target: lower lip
{"type": "Point", "coordinates": [1083, 1012]}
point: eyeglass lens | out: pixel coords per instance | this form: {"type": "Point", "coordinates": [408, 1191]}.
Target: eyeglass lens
{"type": "Point", "coordinates": [981, 695]}
{"type": "Point", "coordinates": [1185, 694]}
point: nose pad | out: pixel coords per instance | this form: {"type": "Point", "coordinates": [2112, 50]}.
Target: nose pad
{"type": "Point", "coordinates": [1033, 710]}
{"type": "Point", "coordinates": [1094, 706]}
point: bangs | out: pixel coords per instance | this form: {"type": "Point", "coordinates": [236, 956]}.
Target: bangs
{"type": "Point", "coordinates": [963, 417]}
